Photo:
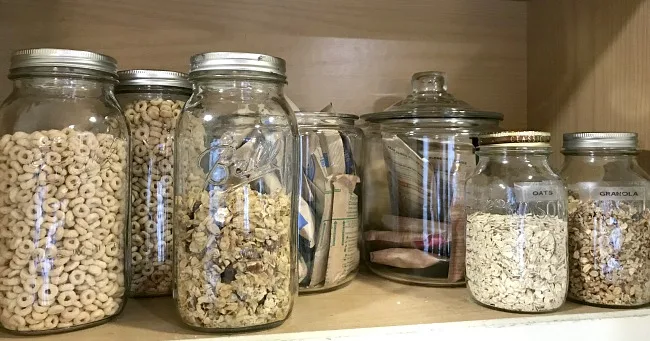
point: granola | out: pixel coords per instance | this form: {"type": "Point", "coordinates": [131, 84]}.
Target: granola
{"type": "Point", "coordinates": [233, 252]}
{"type": "Point", "coordinates": [609, 243]}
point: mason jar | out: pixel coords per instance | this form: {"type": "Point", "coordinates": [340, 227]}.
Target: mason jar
{"type": "Point", "coordinates": [418, 154]}
{"type": "Point", "coordinates": [516, 225]}
{"type": "Point", "coordinates": [64, 151]}
{"type": "Point", "coordinates": [235, 235]}
{"type": "Point", "coordinates": [329, 203]}
{"type": "Point", "coordinates": [609, 228]}
{"type": "Point", "coordinates": [152, 100]}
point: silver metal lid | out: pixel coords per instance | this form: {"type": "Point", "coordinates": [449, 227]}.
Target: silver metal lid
{"type": "Point", "coordinates": [154, 77]}
{"type": "Point", "coordinates": [49, 57]}
{"type": "Point", "coordinates": [237, 61]}
{"type": "Point", "coordinates": [580, 141]}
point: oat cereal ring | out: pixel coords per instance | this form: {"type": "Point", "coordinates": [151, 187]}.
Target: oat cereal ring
{"type": "Point", "coordinates": [87, 190]}
{"type": "Point", "coordinates": [25, 299]}
{"type": "Point", "coordinates": [52, 158]}
{"type": "Point", "coordinates": [51, 321]}
{"type": "Point", "coordinates": [81, 211]}
{"type": "Point", "coordinates": [55, 309]}
{"type": "Point", "coordinates": [101, 233]}
{"type": "Point", "coordinates": [142, 133]}
{"type": "Point", "coordinates": [38, 316]}
{"type": "Point", "coordinates": [51, 205]}
{"type": "Point", "coordinates": [141, 106]}
{"type": "Point", "coordinates": [47, 292]}
{"type": "Point", "coordinates": [77, 277]}
{"type": "Point", "coordinates": [17, 321]}
{"type": "Point", "coordinates": [61, 192]}
{"type": "Point", "coordinates": [75, 169]}
{"type": "Point", "coordinates": [12, 176]}
{"type": "Point", "coordinates": [71, 243]}
{"type": "Point", "coordinates": [67, 298]}
{"type": "Point", "coordinates": [116, 183]}
{"type": "Point", "coordinates": [106, 174]}
{"type": "Point", "coordinates": [26, 247]}
{"type": "Point", "coordinates": [20, 229]}
{"type": "Point", "coordinates": [82, 318]}
{"type": "Point", "coordinates": [25, 156]}
{"type": "Point", "coordinates": [73, 182]}
{"type": "Point", "coordinates": [87, 297]}
{"type": "Point", "coordinates": [69, 313]}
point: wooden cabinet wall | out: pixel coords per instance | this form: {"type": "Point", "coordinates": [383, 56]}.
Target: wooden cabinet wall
{"type": "Point", "coordinates": [359, 54]}
{"type": "Point", "coordinates": [589, 68]}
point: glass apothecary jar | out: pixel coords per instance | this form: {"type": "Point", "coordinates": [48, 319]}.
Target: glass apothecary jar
{"type": "Point", "coordinates": [516, 225]}
{"type": "Point", "coordinates": [235, 213]}
{"type": "Point", "coordinates": [609, 228]}
{"type": "Point", "coordinates": [152, 100]}
{"type": "Point", "coordinates": [330, 191]}
{"type": "Point", "coordinates": [64, 151]}
{"type": "Point", "coordinates": [418, 154]}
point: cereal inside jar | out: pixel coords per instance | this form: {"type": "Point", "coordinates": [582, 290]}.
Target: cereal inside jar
{"type": "Point", "coordinates": [235, 218]}
{"type": "Point", "coordinates": [152, 100]}
{"type": "Point", "coordinates": [516, 225]}
{"type": "Point", "coordinates": [63, 190]}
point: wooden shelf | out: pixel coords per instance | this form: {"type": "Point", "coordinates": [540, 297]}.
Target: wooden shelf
{"type": "Point", "coordinates": [366, 303]}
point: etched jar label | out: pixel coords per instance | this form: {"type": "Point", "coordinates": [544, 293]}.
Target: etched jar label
{"type": "Point", "coordinates": [537, 191]}
{"type": "Point", "coordinates": [618, 193]}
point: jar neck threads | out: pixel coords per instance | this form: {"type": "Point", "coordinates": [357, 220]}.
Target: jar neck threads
{"type": "Point", "coordinates": [61, 86]}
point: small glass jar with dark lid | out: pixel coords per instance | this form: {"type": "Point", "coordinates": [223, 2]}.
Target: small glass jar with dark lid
{"type": "Point", "coordinates": [516, 225]}
{"type": "Point", "coordinates": [418, 154]}
{"type": "Point", "coordinates": [330, 188]}
{"type": "Point", "coordinates": [152, 100]}
{"type": "Point", "coordinates": [609, 221]}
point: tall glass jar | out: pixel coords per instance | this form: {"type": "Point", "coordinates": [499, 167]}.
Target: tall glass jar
{"type": "Point", "coordinates": [64, 151]}
{"type": "Point", "coordinates": [609, 221]}
{"type": "Point", "coordinates": [516, 225]}
{"type": "Point", "coordinates": [418, 155]}
{"type": "Point", "coordinates": [152, 100]}
{"type": "Point", "coordinates": [330, 188]}
{"type": "Point", "coordinates": [235, 235]}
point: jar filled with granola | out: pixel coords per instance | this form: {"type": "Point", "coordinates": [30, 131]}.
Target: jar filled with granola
{"type": "Point", "coordinates": [330, 188]}
{"type": "Point", "coordinates": [609, 229]}
{"type": "Point", "coordinates": [418, 154]}
{"type": "Point", "coordinates": [152, 100]}
{"type": "Point", "coordinates": [235, 213]}
{"type": "Point", "coordinates": [64, 151]}
{"type": "Point", "coordinates": [516, 225]}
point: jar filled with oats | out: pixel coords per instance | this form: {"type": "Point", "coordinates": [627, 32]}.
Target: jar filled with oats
{"type": "Point", "coordinates": [236, 205]}
{"type": "Point", "coordinates": [418, 155]}
{"type": "Point", "coordinates": [609, 228]}
{"type": "Point", "coordinates": [330, 188]}
{"type": "Point", "coordinates": [152, 100]}
{"type": "Point", "coordinates": [64, 148]}
{"type": "Point", "coordinates": [516, 225]}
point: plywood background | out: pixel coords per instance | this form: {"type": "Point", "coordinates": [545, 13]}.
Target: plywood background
{"type": "Point", "coordinates": [357, 53]}
{"type": "Point", "coordinates": [589, 68]}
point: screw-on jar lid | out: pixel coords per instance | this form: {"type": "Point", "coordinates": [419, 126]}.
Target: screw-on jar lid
{"type": "Point", "coordinates": [582, 141]}
{"type": "Point", "coordinates": [49, 57]}
{"type": "Point", "coordinates": [154, 77]}
{"type": "Point", "coordinates": [528, 138]}
{"type": "Point", "coordinates": [237, 61]}
{"type": "Point", "coordinates": [430, 99]}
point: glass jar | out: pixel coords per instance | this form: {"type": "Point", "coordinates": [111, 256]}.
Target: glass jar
{"type": "Point", "coordinates": [516, 225]}
{"type": "Point", "coordinates": [609, 222]}
{"type": "Point", "coordinates": [418, 155]}
{"type": "Point", "coordinates": [236, 209]}
{"type": "Point", "coordinates": [330, 188]}
{"type": "Point", "coordinates": [152, 100]}
{"type": "Point", "coordinates": [64, 193]}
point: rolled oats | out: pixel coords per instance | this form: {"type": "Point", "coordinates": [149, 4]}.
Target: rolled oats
{"type": "Point", "coordinates": [609, 244]}
{"type": "Point", "coordinates": [517, 263]}
{"type": "Point", "coordinates": [233, 257]}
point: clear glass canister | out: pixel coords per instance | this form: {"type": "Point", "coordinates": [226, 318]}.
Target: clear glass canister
{"type": "Point", "coordinates": [152, 100]}
{"type": "Point", "coordinates": [330, 188]}
{"type": "Point", "coordinates": [64, 152]}
{"type": "Point", "coordinates": [235, 234]}
{"type": "Point", "coordinates": [516, 225]}
{"type": "Point", "coordinates": [418, 155]}
{"type": "Point", "coordinates": [609, 221]}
